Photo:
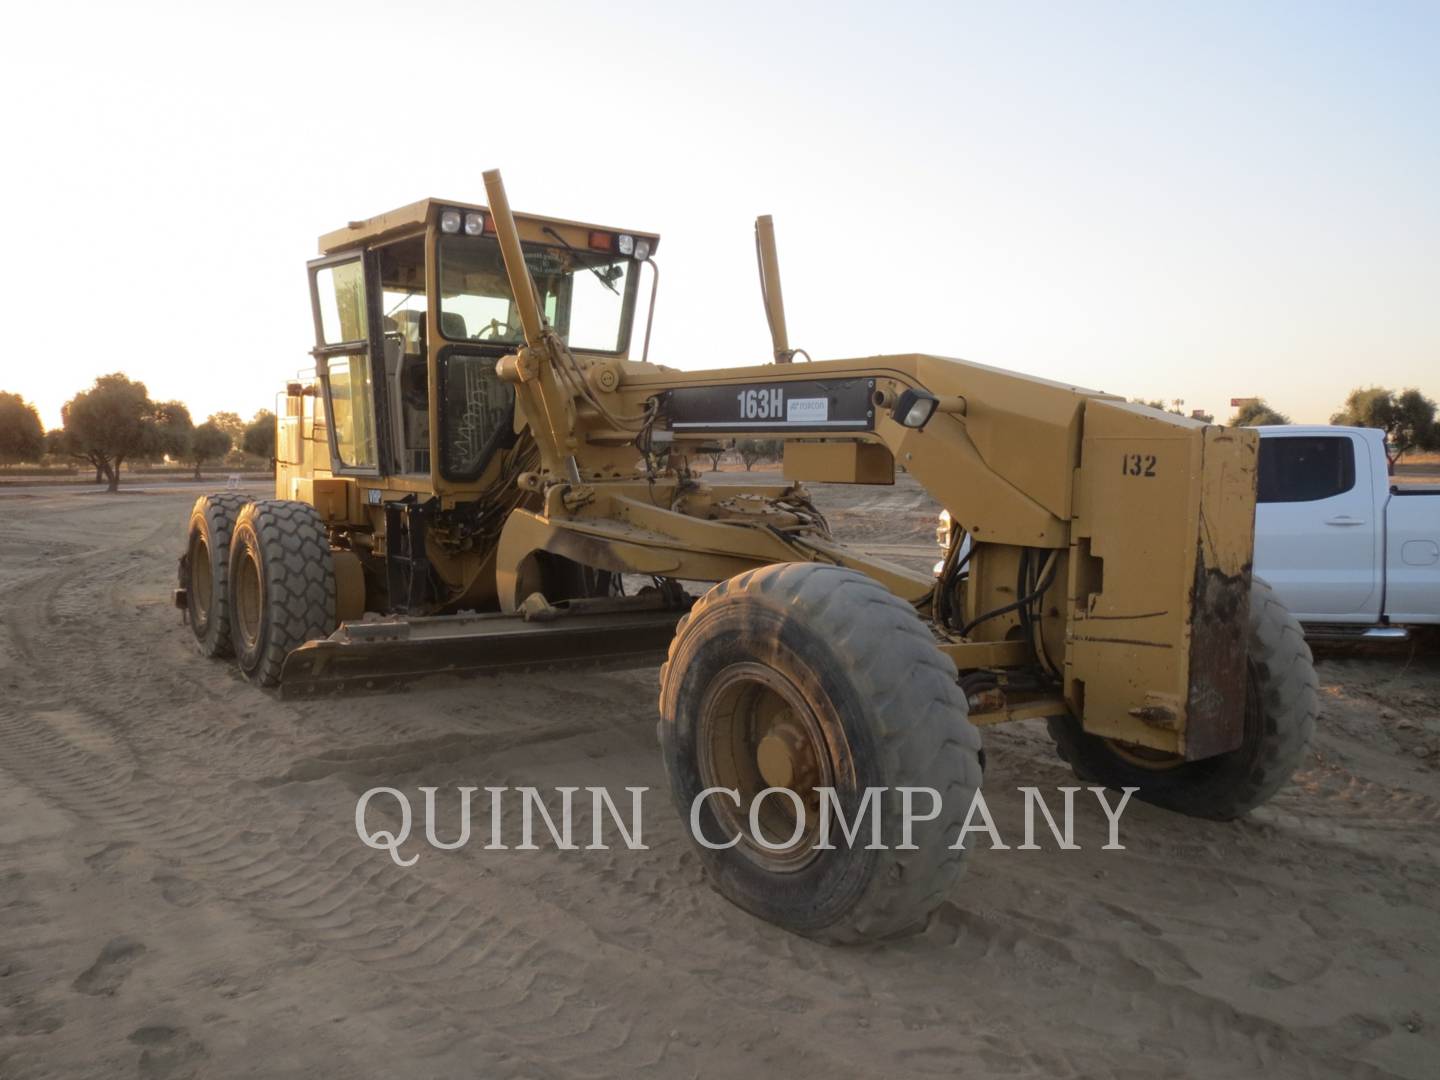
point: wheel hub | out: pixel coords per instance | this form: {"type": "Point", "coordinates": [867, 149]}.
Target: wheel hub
{"type": "Point", "coordinates": [786, 759]}
{"type": "Point", "coordinates": [248, 599]}
{"type": "Point", "coordinates": [758, 732]}
{"type": "Point", "coordinates": [200, 583]}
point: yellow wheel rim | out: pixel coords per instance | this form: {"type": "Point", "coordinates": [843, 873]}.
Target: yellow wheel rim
{"type": "Point", "coordinates": [756, 731]}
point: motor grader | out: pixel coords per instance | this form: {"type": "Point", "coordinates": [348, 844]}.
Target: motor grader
{"type": "Point", "coordinates": [479, 476]}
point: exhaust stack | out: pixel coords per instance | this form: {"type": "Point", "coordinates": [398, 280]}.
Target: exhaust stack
{"type": "Point", "coordinates": [770, 291]}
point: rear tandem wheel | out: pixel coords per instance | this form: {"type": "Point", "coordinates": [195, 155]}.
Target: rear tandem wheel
{"type": "Point", "coordinates": [282, 585]}
{"type": "Point", "coordinates": [205, 571]}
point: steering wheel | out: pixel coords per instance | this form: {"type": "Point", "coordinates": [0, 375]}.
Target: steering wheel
{"type": "Point", "coordinates": [495, 328]}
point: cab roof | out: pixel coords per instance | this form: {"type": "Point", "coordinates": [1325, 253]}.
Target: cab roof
{"type": "Point", "coordinates": [412, 218]}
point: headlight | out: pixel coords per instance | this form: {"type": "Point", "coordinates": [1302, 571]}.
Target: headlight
{"type": "Point", "coordinates": [914, 408]}
{"type": "Point", "coordinates": [625, 244]}
{"type": "Point", "coordinates": [642, 249]}
{"type": "Point", "coordinates": [450, 221]}
{"type": "Point", "coordinates": [474, 224]}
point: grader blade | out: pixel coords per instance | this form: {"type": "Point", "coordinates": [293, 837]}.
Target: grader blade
{"type": "Point", "coordinates": [369, 655]}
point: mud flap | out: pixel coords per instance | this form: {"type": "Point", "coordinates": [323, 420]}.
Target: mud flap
{"type": "Point", "coordinates": [1219, 607]}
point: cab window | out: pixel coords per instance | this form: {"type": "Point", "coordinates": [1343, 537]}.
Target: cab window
{"type": "Point", "coordinates": [586, 297]}
{"type": "Point", "coordinates": [341, 309]}
{"type": "Point", "coordinates": [352, 396]}
{"type": "Point", "coordinates": [1304, 468]}
{"type": "Point", "coordinates": [478, 410]}
{"type": "Point", "coordinates": [340, 292]}
{"type": "Point", "coordinates": [403, 325]}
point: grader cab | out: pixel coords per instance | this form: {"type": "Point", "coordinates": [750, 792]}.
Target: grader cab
{"type": "Point", "coordinates": [480, 476]}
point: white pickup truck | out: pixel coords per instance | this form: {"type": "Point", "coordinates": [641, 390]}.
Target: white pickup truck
{"type": "Point", "coordinates": [1350, 554]}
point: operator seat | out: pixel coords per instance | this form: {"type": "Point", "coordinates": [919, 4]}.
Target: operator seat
{"type": "Point", "coordinates": [394, 340]}
{"type": "Point", "coordinates": [409, 391]}
{"type": "Point", "coordinates": [452, 326]}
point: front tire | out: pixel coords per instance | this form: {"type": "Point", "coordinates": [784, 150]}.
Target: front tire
{"type": "Point", "coordinates": [1281, 703]}
{"type": "Point", "coordinates": [802, 676]}
{"type": "Point", "coordinates": [282, 585]}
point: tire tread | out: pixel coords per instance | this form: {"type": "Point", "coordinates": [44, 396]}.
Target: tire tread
{"type": "Point", "coordinates": [299, 581]}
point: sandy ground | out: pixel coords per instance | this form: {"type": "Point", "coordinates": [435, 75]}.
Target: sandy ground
{"type": "Point", "coordinates": [182, 892]}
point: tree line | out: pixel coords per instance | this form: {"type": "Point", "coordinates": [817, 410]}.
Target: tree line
{"type": "Point", "coordinates": [115, 421]}
{"type": "Point", "coordinates": [1407, 417]}
{"type": "Point", "coordinates": [750, 452]}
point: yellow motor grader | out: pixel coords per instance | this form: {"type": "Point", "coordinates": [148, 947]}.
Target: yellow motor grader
{"type": "Point", "coordinates": [478, 476]}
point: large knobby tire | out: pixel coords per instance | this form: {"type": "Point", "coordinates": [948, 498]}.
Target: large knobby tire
{"type": "Point", "coordinates": [1281, 703]}
{"type": "Point", "coordinates": [822, 674]}
{"type": "Point", "coordinates": [282, 585]}
{"type": "Point", "coordinates": [205, 571]}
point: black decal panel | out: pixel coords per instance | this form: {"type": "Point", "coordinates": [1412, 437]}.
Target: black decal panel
{"type": "Point", "coordinates": [818, 405]}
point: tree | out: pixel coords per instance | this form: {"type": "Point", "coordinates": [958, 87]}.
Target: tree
{"type": "Point", "coordinates": [22, 438]}
{"type": "Point", "coordinates": [208, 443]}
{"type": "Point", "coordinates": [55, 443]}
{"type": "Point", "coordinates": [112, 421]}
{"type": "Point", "coordinates": [259, 438]}
{"type": "Point", "coordinates": [1255, 412]}
{"type": "Point", "coordinates": [753, 450]}
{"type": "Point", "coordinates": [231, 424]}
{"type": "Point", "coordinates": [1407, 418]}
{"type": "Point", "coordinates": [1415, 428]}
{"type": "Point", "coordinates": [62, 443]}
{"type": "Point", "coordinates": [173, 431]}
{"type": "Point", "coordinates": [1172, 407]}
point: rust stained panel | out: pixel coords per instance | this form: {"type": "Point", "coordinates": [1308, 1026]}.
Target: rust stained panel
{"type": "Point", "coordinates": [1220, 595]}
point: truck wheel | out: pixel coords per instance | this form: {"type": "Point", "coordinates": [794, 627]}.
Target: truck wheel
{"type": "Point", "coordinates": [801, 677]}
{"type": "Point", "coordinates": [205, 571]}
{"type": "Point", "coordinates": [282, 585]}
{"type": "Point", "coordinates": [1281, 703]}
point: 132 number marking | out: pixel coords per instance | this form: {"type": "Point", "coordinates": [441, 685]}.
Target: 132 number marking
{"type": "Point", "coordinates": [1137, 464]}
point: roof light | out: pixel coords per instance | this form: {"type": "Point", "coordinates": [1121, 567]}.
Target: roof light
{"type": "Point", "coordinates": [474, 224]}
{"type": "Point", "coordinates": [625, 244]}
{"type": "Point", "coordinates": [601, 240]}
{"type": "Point", "coordinates": [450, 221]}
{"type": "Point", "coordinates": [642, 249]}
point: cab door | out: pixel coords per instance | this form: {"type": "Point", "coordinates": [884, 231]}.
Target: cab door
{"type": "Point", "coordinates": [1315, 525]}
{"type": "Point", "coordinates": [344, 297]}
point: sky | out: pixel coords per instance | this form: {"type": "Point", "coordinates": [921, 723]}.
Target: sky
{"type": "Point", "coordinates": [1182, 200]}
